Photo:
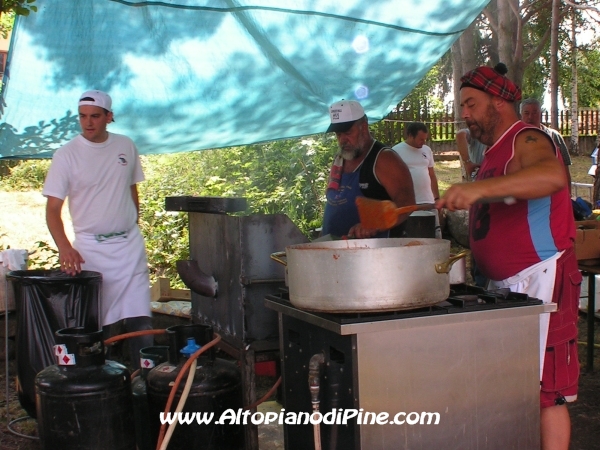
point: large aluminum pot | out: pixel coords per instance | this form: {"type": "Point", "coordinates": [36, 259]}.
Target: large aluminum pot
{"type": "Point", "coordinates": [361, 275]}
{"type": "Point", "coordinates": [458, 271]}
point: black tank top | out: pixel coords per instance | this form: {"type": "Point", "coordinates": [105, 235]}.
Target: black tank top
{"type": "Point", "coordinates": [369, 186]}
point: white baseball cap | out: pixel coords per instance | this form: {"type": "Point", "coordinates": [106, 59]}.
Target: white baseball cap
{"type": "Point", "coordinates": [343, 115]}
{"type": "Point", "coordinates": [96, 98]}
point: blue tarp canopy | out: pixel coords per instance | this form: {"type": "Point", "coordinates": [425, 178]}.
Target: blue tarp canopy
{"type": "Point", "coordinates": [197, 74]}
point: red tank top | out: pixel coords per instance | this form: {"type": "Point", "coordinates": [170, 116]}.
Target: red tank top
{"type": "Point", "coordinates": [506, 239]}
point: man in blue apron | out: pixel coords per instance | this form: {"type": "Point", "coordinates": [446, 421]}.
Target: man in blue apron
{"type": "Point", "coordinates": [363, 167]}
{"type": "Point", "coordinates": [99, 171]}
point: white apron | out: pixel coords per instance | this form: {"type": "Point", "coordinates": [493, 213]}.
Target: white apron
{"type": "Point", "coordinates": [537, 281]}
{"type": "Point", "coordinates": [121, 259]}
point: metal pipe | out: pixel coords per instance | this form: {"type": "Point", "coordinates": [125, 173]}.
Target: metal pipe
{"type": "Point", "coordinates": [333, 380]}
{"type": "Point", "coordinates": [314, 385]}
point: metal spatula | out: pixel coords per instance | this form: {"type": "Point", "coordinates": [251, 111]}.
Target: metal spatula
{"type": "Point", "coordinates": [383, 214]}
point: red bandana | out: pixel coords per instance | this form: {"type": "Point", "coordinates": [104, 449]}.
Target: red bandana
{"type": "Point", "coordinates": [488, 80]}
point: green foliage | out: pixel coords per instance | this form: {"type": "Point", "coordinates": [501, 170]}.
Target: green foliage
{"type": "Point", "coordinates": [45, 256]}
{"type": "Point", "coordinates": [426, 96]}
{"type": "Point", "coordinates": [9, 9]}
{"type": "Point", "coordinates": [286, 176]}
{"type": "Point", "coordinates": [588, 82]}
{"type": "Point", "coordinates": [28, 175]}
{"type": "Point", "coordinates": [423, 104]}
{"type": "Point", "coordinates": [19, 7]}
{"type": "Point", "coordinates": [534, 80]}
{"type": "Point", "coordinates": [6, 23]}
{"type": "Point", "coordinates": [165, 232]}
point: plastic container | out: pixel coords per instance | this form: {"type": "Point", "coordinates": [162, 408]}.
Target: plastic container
{"type": "Point", "coordinates": [7, 295]}
{"type": "Point", "coordinates": [47, 301]}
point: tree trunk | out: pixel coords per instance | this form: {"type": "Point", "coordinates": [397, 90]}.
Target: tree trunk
{"type": "Point", "coordinates": [456, 74]}
{"type": "Point", "coordinates": [492, 11]}
{"type": "Point", "coordinates": [554, 63]}
{"type": "Point", "coordinates": [510, 49]}
{"type": "Point", "coordinates": [574, 98]}
{"type": "Point", "coordinates": [463, 60]}
{"type": "Point", "coordinates": [467, 48]}
{"type": "Point", "coordinates": [505, 36]}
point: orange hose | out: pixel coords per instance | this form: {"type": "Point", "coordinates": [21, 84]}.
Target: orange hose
{"type": "Point", "coordinates": [120, 337]}
{"type": "Point", "coordinates": [134, 374]}
{"type": "Point", "coordinates": [266, 396]}
{"type": "Point", "coordinates": [181, 374]}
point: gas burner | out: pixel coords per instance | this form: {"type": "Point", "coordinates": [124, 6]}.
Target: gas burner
{"type": "Point", "coordinates": [463, 298]}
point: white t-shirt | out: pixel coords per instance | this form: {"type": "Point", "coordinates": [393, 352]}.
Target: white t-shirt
{"type": "Point", "coordinates": [97, 178]}
{"type": "Point", "coordinates": [418, 160]}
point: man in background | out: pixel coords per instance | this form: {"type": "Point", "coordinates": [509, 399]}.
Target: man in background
{"type": "Point", "coordinates": [531, 113]}
{"type": "Point", "coordinates": [471, 153]}
{"type": "Point", "coordinates": [525, 245]}
{"type": "Point", "coordinates": [363, 167]}
{"type": "Point", "coordinates": [98, 172]}
{"type": "Point", "coordinates": [419, 159]}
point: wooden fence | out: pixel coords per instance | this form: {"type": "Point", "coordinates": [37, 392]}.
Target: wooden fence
{"type": "Point", "coordinates": [443, 126]}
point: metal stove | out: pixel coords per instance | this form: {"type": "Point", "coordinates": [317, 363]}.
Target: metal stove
{"type": "Point", "coordinates": [234, 250]}
{"type": "Point", "coordinates": [473, 359]}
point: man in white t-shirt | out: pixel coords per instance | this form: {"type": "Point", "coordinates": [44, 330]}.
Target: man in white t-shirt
{"type": "Point", "coordinates": [99, 171]}
{"type": "Point", "coordinates": [419, 159]}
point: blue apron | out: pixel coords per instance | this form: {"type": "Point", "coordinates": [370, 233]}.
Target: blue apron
{"type": "Point", "coordinates": [341, 213]}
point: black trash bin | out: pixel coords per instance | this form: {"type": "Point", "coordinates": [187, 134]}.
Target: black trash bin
{"type": "Point", "coordinates": [47, 301]}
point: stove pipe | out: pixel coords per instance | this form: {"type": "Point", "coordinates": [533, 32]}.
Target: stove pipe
{"type": "Point", "coordinates": [314, 384]}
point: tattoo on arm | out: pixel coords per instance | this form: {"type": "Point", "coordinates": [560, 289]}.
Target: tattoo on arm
{"type": "Point", "coordinates": [529, 139]}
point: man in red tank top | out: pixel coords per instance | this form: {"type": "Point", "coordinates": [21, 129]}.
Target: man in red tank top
{"type": "Point", "coordinates": [525, 244]}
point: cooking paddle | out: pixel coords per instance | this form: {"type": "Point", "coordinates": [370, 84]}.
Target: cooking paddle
{"type": "Point", "coordinates": [383, 214]}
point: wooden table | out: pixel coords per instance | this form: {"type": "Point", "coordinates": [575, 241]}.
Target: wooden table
{"type": "Point", "coordinates": [591, 272]}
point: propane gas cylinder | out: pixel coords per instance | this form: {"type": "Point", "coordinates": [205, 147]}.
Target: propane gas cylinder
{"type": "Point", "coordinates": [216, 388]}
{"type": "Point", "coordinates": [149, 358]}
{"type": "Point", "coordinates": [84, 402]}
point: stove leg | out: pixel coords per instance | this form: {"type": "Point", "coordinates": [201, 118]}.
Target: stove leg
{"type": "Point", "coordinates": [249, 387]}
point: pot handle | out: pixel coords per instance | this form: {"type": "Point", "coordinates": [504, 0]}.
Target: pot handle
{"type": "Point", "coordinates": [278, 256]}
{"type": "Point", "coordinates": [446, 266]}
